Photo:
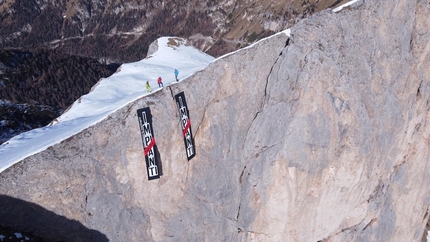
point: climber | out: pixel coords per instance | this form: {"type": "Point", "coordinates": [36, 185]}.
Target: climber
{"type": "Point", "coordinates": [160, 82]}
{"type": "Point", "coordinates": [148, 87]}
{"type": "Point", "coordinates": [176, 74]}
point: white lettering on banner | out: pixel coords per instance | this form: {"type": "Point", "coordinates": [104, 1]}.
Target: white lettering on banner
{"type": "Point", "coordinates": [148, 141]}
{"type": "Point", "coordinates": [187, 133]}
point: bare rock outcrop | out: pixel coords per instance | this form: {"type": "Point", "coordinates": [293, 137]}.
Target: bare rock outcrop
{"type": "Point", "coordinates": [323, 136]}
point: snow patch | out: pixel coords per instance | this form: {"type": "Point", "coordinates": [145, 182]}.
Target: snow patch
{"type": "Point", "coordinates": [287, 32]}
{"type": "Point", "coordinates": [344, 6]}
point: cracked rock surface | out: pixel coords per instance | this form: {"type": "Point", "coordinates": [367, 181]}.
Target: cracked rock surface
{"type": "Point", "coordinates": [323, 136]}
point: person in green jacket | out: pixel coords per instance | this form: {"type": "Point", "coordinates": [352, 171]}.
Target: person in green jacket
{"type": "Point", "coordinates": [148, 87]}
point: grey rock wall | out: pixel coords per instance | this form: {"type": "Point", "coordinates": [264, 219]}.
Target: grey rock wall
{"type": "Point", "coordinates": [320, 137]}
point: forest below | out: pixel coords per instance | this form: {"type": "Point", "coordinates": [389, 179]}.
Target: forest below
{"type": "Point", "coordinates": [37, 86]}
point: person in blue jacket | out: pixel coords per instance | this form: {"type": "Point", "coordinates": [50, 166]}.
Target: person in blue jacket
{"type": "Point", "coordinates": [176, 74]}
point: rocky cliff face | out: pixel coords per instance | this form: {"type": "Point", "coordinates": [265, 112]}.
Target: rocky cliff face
{"type": "Point", "coordinates": [323, 136]}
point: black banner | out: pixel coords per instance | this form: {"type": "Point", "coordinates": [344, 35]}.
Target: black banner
{"type": "Point", "coordinates": [186, 125]}
{"type": "Point", "coordinates": [148, 139]}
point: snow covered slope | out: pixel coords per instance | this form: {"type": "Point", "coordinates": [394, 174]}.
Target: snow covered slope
{"type": "Point", "coordinates": [109, 95]}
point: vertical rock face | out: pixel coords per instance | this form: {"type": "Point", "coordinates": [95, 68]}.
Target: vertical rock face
{"type": "Point", "coordinates": [323, 136]}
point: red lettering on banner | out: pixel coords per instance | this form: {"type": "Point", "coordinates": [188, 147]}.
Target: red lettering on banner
{"type": "Point", "coordinates": [149, 147]}
{"type": "Point", "coordinates": [187, 126]}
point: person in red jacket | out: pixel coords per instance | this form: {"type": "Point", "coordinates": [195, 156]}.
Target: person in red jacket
{"type": "Point", "coordinates": [160, 82]}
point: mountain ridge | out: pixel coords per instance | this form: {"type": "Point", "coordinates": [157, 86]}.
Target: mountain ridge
{"type": "Point", "coordinates": [96, 28]}
{"type": "Point", "coordinates": [320, 136]}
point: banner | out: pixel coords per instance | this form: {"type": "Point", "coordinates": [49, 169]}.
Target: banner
{"type": "Point", "coordinates": [148, 139]}
{"type": "Point", "coordinates": [186, 125]}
